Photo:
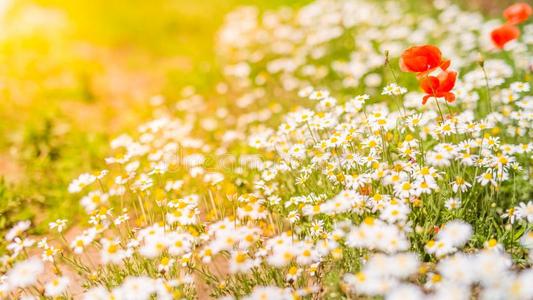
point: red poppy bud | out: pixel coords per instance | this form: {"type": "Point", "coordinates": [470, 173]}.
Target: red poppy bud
{"type": "Point", "coordinates": [504, 34]}
{"type": "Point", "coordinates": [517, 13]}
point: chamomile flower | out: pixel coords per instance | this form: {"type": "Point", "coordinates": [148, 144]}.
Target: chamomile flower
{"type": "Point", "coordinates": [24, 273]}
{"type": "Point", "coordinates": [520, 87]}
{"type": "Point", "coordinates": [112, 251]}
{"type": "Point", "coordinates": [511, 214]}
{"type": "Point", "coordinates": [453, 203]}
{"type": "Point", "coordinates": [456, 233]}
{"type": "Point", "coordinates": [81, 182]}
{"type": "Point", "coordinates": [17, 230]}
{"type": "Point", "coordinates": [58, 225]}
{"type": "Point", "coordinates": [525, 211]}
{"type": "Point", "coordinates": [56, 286]}
{"type": "Point", "coordinates": [459, 184]}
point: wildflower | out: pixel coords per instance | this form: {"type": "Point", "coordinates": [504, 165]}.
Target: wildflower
{"type": "Point", "coordinates": [432, 280]}
{"type": "Point", "coordinates": [395, 212]}
{"type": "Point", "coordinates": [112, 251]}
{"type": "Point", "coordinates": [486, 178]}
{"type": "Point", "coordinates": [520, 87]}
{"type": "Point", "coordinates": [293, 216]}
{"type": "Point", "coordinates": [179, 243]}
{"type": "Point", "coordinates": [439, 86]}
{"type": "Point", "coordinates": [43, 243]}
{"type": "Point", "coordinates": [425, 187]}
{"type": "Point", "coordinates": [269, 292]}
{"type": "Point", "coordinates": [59, 225]}
{"type": "Point", "coordinates": [455, 232]}
{"type": "Point", "coordinates": [96, 293]}
{"type": "Point", "coordinates": [206, 254]}
{"type": "Point", "coordinates": [49, 253]}
{"type": "Point", "coordinates": [525, 211]}
{"type": "Point", "coordinates": [282, 256]}
{"type": "Point", "coordinates": [293, 273]}
{"type": "Point", "coordinates": [79, 243]}
{"type": "Point", "coordinates": [439, 248]}
{"type": "Point", "coordinates": [82, 181]}
{"type": "Point", "coordinates": [519, 286]}
{"type": "Point", "coordinates": [143, 183]}
{"type": "Point", "coordinates": [517, 13]}
{"type": "Point", "coordinates": [356, 104]}
{"type": "Point", "coordinates": [56, 286]}
{"type": "Point", "coordinates": [459, 184]}
{"type": "Point", "coordinates": [154, 245]}
{"type": "Point", "coordinates": [457, 268]}
{"type": "Point", "coordinates": [213, 178]}
{"type": "Point", "coordinates": [468, 159]}
{"type": "Point", "coordinates": [394, 89]}
{"type": "Point", "coordinates": [510, 214]}
{"type": "Point", "coordinates": [165, 264]}
{"type": "Point", "coordinates": [404, 189]}
{"type": "Point", "coordinates": [121, 219]}
{"type": "Point", "coordinates": [400, 265]}
{"type": "Point", "coordinates": [446, 128]}
{"type": "Point", "coordinates": [421, 59]}
{"type": "Point", "coordinates": [173, 185]}
{"type": "Point", "coordinates": [493, 244]}
{"type": "Point", "coordinates": [327, 103]}
{"type": "Point", "coordinates": [19, 244]}
{"type": "Point", "coordinates": [489, 266]}
{"type": "Point", "coordinates": [319, 95]}
{"type": "Point", "coordinates": [94, 200]}
{"type": "Point", "coordinates": [317, 227]}
{"type": "Point", "coordinates": [453, 203]}
{"type": "Point", "coordinates": [297, 151]}
{"type": "Point", "coordinates": [406, 291]}
{"type": "Point", "coordinates": [305, 92]}
{"type": "Point", "coordinates": [17, 230]}
{"type": "Point", "coordinates": [502, 35]}
{"type": "Point", "coordinates": [527, 240]}
{"type": "Point", "coordinates": [141, 288]}
{"type": "Point", "coordinates": [254, 211]}
{"type": "Point", "coordinates": [307, 254]}
{"type": "Point", "coordinates": [24, 273]}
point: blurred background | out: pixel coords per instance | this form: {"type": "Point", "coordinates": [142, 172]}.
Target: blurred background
{"type": "Point", "coordinates": [74, 74]}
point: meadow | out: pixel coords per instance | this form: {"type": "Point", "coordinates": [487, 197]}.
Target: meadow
{"type": "Point", "coordinates": [266, 150]}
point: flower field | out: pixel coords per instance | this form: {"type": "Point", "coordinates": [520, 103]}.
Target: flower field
{"type": "Point", "coordinates": [337, 149]}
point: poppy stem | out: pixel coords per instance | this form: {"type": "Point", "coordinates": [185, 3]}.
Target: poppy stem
{"type": "Point", "coordinates": [440, 111]}
{"type": "Point", "coordinates": [489, 99]}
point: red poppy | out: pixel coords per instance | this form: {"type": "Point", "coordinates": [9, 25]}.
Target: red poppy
{"type": "Point", "coordinates": [439, 86]}
{"type": "Point", "coordinates": [517, 13]}
{"type": "Point", "coordinates": [504, 34]}
{"type": "Point", "coordinates": [420, 59]}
